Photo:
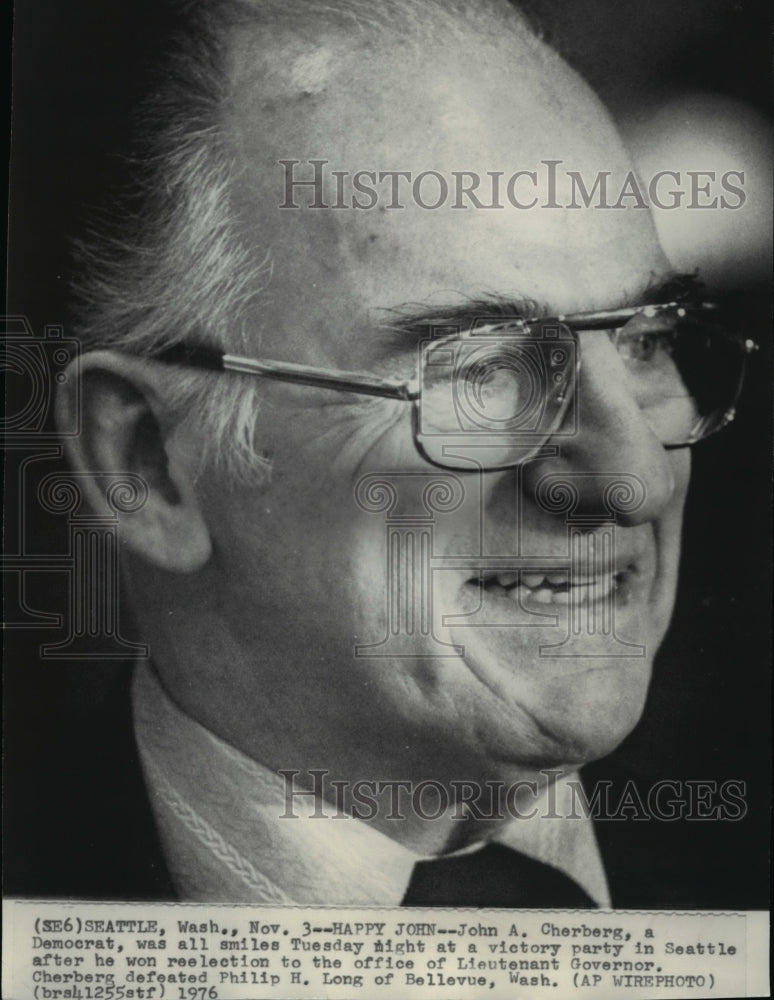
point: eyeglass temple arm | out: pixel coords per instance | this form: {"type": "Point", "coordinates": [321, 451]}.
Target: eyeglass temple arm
{"type": "Point", "coordinates": [604, 317]}
{"type": "Point", "coordinates": [287, 371]}
{"type": "Point", "coordinates": [601, 320]}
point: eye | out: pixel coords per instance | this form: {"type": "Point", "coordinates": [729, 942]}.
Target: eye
{"type": "Point", "coordinates": [646, 346]}
{"type": "Point", "coordinates": [646, 342]}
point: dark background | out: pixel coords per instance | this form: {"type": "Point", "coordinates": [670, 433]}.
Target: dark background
{"type": "Point", "coordinates": [79, 67]}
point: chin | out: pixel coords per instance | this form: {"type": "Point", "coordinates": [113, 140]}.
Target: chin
{"type": "Point", "coordinates": [602, 715]}
{"type": "Point", "coordinates": [573, 720]}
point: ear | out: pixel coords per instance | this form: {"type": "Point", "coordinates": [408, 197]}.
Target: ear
{"type": "Point", "coordinates": [125, 427]}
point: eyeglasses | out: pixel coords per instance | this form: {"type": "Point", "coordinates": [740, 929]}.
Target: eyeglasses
{"type": "Point", "coordinates": [493, 396]}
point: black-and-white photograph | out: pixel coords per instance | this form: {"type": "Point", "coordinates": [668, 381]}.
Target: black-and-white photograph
{"type": "Point", "coordinates": [388, 437]}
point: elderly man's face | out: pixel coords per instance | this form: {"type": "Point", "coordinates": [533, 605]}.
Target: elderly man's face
{"type": "Point", "coordinates": [299, 576]}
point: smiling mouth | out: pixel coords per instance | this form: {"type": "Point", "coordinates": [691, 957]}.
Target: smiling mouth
{"type": "Point", "coordinates": [555, 587]}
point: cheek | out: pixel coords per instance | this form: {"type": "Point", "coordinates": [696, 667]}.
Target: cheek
{"type": "Point", "coordinates": [680, 461]}
{"type": "Point", "coordinates": [337, 476]}
{"type": "Point", "coordinates": [669, 524]}
{"type": "Point", "coordinates": [315, 536]}
{"type": "Point", "coordinates": [327, 448]}
{"type": "Point", "coordinates": [668, 533]}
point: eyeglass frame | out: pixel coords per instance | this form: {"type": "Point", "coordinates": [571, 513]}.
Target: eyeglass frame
{"type": "Point", "coordinates": [409, 390]}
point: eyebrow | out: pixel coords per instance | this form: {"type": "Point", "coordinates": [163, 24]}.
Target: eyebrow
{"type": "Point", "coordinates": [673, 287]}
{"type": "Point", "coordinates": [404, 325]}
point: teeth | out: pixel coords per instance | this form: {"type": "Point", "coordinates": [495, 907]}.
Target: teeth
{"type": "Point", "coordinates": [590, 590]}
{"type": "Point", "coordinates": [554, 586]}
{"type": "Point", "coordinates": [532, 580]}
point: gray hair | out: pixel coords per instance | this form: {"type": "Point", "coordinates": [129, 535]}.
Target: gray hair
{"type": "Point", "coordinates": [178, 268]}
{"type": "Point", "coordinates": [169, 266]}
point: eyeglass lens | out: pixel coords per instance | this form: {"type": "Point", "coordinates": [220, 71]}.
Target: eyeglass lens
{"type": "Point", "coordinates": [495, 400]}
{"type": "Point", "coordinates": [684, 372]}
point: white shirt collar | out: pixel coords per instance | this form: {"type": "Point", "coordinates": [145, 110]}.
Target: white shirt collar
{"type": "Point", "coordinates": [220, 816]}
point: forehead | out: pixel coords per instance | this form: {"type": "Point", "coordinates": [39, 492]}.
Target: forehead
{"type": "Point", "coordinates": [471, 103]}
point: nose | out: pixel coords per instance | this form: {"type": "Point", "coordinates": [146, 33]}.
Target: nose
{"type": "Point", "coordinates": [610, 442]}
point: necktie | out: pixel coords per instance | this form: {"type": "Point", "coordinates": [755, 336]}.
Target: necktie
{"type": "Point", "coordinates": [493, 876]}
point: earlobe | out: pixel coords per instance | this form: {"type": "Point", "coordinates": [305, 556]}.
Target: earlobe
{"type": "Point", "coordinates": [124, 429]}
